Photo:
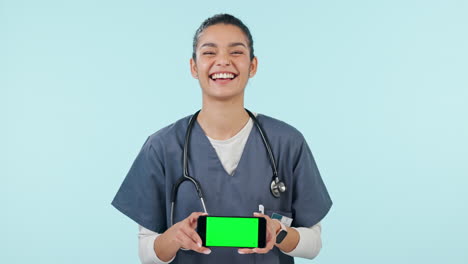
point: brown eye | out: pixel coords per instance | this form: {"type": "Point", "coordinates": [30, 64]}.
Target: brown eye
{"type": "Point", "coordinates": [237, 52]}
{"type": "Point", "coordinates": [208, 53]}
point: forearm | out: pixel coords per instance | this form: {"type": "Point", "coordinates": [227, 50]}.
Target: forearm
{"type": "Point", "coordinates": [309, 242]}
{"type": "Point", "coordinates": [146, 247]}
{"type": "Point", "coordinates": [290, 241]}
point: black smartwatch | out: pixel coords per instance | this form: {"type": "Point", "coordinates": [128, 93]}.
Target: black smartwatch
{"type": "Point", "coordinates": [281, 234]}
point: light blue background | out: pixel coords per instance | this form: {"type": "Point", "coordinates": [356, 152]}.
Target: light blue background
{"type": "Point", "coordinates": [379, 89]}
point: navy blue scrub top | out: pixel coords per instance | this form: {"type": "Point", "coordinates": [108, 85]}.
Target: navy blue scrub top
{"type": "Point", "coordinates": [145, 194]}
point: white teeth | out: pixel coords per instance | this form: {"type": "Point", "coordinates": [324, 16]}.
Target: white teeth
{"type": "Point", "coordinates": [222, 76]}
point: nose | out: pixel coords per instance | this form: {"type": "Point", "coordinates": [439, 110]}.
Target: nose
{"type": "Point", "coordinates": [223, 60]}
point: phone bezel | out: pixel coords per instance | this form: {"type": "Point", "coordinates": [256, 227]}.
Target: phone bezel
{"type": "Point", "coordinates": [261, 240]}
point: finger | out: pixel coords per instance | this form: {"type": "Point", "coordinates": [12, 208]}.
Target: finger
{"type": "Point", "coordinates": [269, 246]}
{"type": "Point", "coordinates": [195, 238]}
{"type": "Point", "coordinates": [245, 251]}
{"type": "Point", "coordinates": [262, 215]}
{"type": "Point", "coordinates": [203, 250]}
{"type": "Point", "coordinates": [271, 239]}
{"type": "Point", "coordinates": [189, 232]}
{"type": "Point", "coordinates": [261, 250]}
{"type": "Point", "coordinates": [196, 214]}
{"type": "Point", "coordinates": [188, 243]}
{"type": "Point", "coordinates": [270, 236]}
{"type": "Point", "coordinates": [258, 214]}
{"type": "Point", "coordinates": [270, 243]}
{"type": "Point", "coordinates": [185, 241]}
{"type": "Point", "coordinates": [271, 232]}
{"type": "Point", "coordinates": [193, 218]}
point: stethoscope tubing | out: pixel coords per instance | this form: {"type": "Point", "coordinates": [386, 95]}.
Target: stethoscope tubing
{"type": "Point", "coordinates": [187, 177]}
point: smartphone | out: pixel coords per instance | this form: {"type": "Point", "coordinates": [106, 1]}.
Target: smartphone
{"type": "Point", "coordinates": [226, 231]}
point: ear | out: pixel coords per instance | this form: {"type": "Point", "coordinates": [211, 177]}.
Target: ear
{"type": "Point", "coordinates": [253, 67]}
{"type": "Point", "coordinates": [193, 68]}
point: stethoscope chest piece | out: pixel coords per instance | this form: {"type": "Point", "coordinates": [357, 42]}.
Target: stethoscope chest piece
{"type": "Point", "coordinates": [277, 187]}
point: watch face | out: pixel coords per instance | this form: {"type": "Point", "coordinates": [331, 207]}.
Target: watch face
{"type": "Point", "coordinates": [281, 235]}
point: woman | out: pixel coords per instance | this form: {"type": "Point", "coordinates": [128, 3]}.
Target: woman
{"type": "Point", "coordinates": [227, 155]}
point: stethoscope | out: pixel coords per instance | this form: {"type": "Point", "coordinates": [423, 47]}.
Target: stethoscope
{"type": "Point", "coordinates": [276, 187]}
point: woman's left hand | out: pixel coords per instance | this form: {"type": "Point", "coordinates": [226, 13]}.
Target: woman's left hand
{"type": "Point", "coordinates": [271, 228]}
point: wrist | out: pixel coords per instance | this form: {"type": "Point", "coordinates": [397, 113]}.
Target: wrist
{"type": "Point", "coordinates": [277, 225]}
{"type": "Point", "coordinates": [281, 233]}
{"type": "Point", "coordinates": [165, 248]}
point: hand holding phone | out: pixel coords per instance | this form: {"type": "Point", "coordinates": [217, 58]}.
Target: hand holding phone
{"type": "Point", "coordinates": [223, 231]}
{"type": "Point", "coordinates": [271, 227]}
{"type": "Point", "coordinates": [180, 235]}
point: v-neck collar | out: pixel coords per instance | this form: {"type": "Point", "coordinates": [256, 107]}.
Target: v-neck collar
{"type": "Point", "coordinates": [206, 141]}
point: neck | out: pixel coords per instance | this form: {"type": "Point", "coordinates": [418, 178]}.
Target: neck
{"type": "Point", "coordinates": [222, 120]}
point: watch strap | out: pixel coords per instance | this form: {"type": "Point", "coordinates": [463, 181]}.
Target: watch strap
{"type": "Point", "coordinates": [282, 233]}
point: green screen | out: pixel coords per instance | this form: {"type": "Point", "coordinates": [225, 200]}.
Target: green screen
{"type": "Point", "coordinates": [231, 232]}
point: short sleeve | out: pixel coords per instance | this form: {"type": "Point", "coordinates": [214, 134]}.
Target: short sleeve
{"type": "Point", "coordinates": [141, 195]}
{"type": "Point", "coordinates": [311, 201]}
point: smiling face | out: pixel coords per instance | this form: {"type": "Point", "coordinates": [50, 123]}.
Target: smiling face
{"type": "Point", "coordinates": [223, 65]}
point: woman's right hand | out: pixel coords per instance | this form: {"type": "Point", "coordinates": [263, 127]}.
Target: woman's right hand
{"type": "Point", "coordinates": [180, 235]}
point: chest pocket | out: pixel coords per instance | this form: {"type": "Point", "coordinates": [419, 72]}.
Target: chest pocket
{"type": "Point", "coordinates": [270, 213]}
{"type": "Point", "coordinates": [282, 205]}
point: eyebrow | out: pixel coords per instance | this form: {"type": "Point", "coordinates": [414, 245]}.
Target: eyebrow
{"type": "Point", "coordinates": [213, 45]}
{"type": "Point", "coordinates": [236, 44]}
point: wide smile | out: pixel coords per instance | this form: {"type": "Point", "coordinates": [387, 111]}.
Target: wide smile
{"type": "Point", "coordinates": [222, 77]}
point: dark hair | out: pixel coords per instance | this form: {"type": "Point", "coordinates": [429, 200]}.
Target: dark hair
{"type": "Point", "coordinates": [227, 20]}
